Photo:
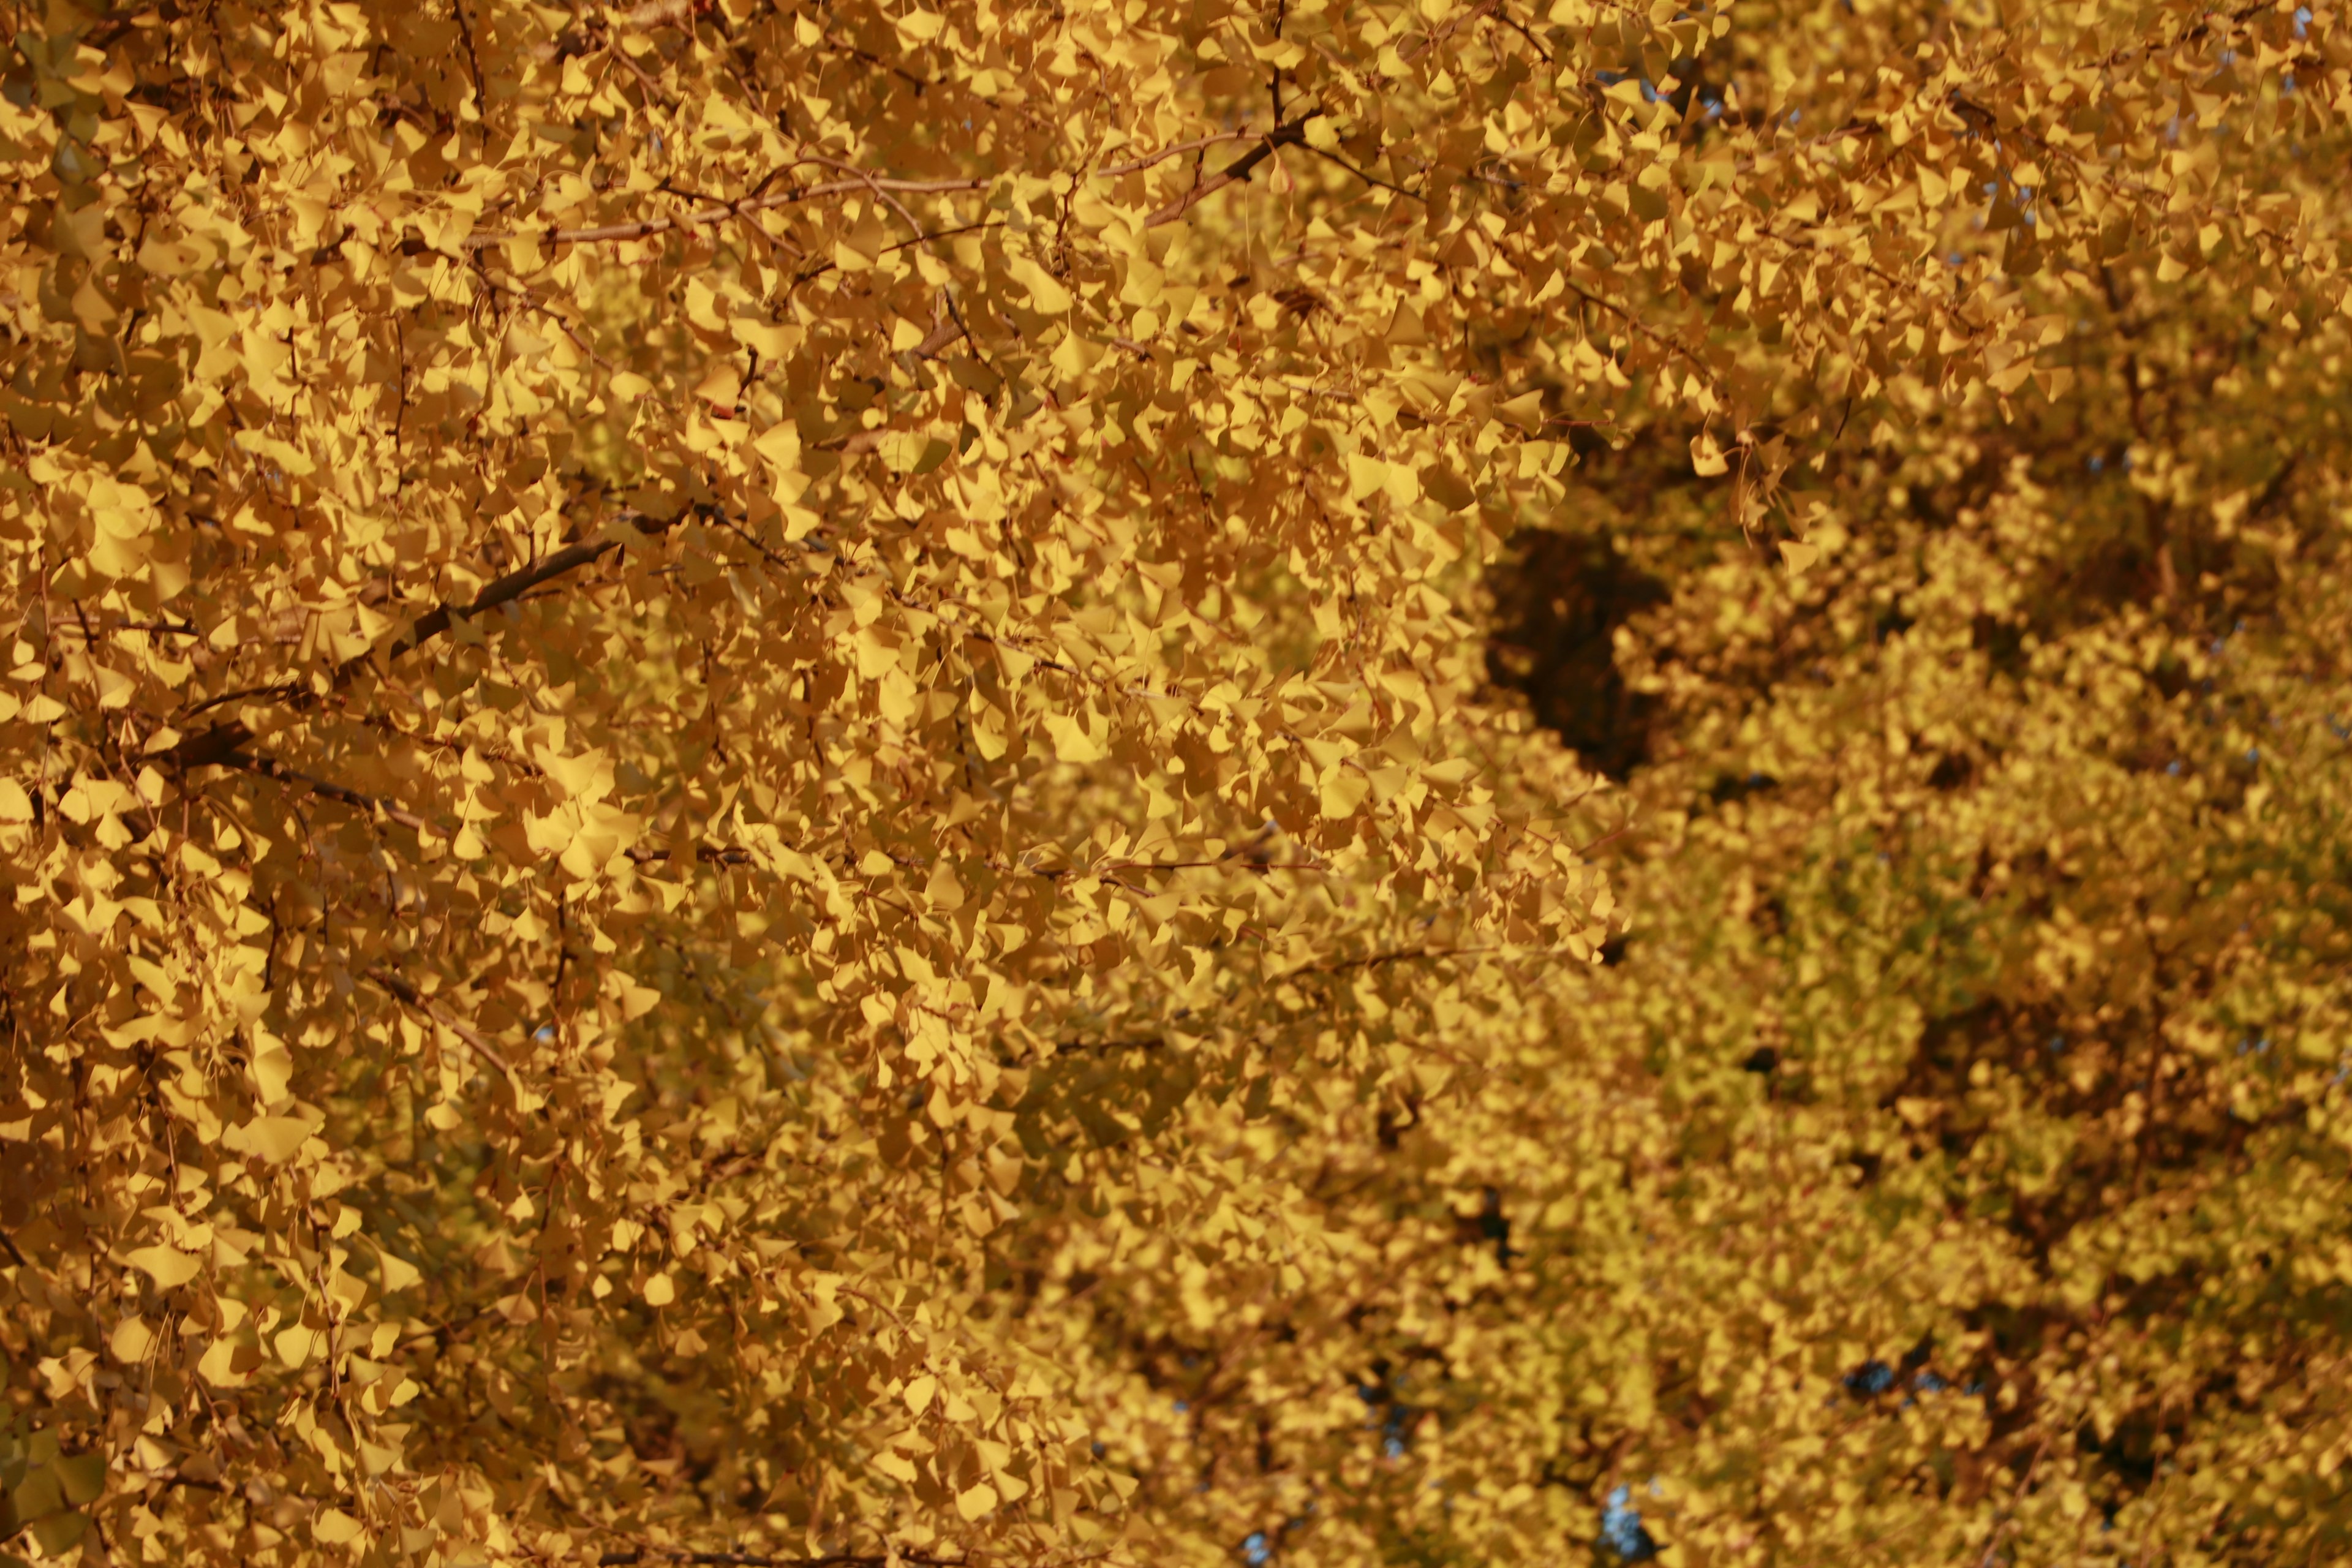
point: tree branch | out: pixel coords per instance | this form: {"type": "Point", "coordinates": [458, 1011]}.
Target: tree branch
{"type": "Point", "coordinates": [646, 228]}
{"type": "Point", "coordinates": [219, 745]}
{"type": "Point", "coordinates": [1289, 133]}
{"type": "Point", "coordinates": [1173, 150]}
{"type": "Point", "coordinates": [507, 589]}
{"type": "Point", "coordinates": [1367, 178]}
{"type": "Point", "coordinates": [403, 991]}
{"type": "Point", "coordinates": [270, 767]}
{"type": "Point", "coordinates": [756, 1560]}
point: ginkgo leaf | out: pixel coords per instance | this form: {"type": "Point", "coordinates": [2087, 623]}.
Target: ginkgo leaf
{"type": "Point", "coordinates": [293, 1344]}
{"type": "Point", "coordinates": [1072, 743]}
{"type": "Point", "coordinates": [894, 783]}
{"type": "Point", "coordinates": [276, 1139]}
{"type": "Point", "coordinates": [131, 1338]}
{"type": "Point", "coordinates": [333, 1527]}
{"type": "Point", "coordinates": [168, 1265]}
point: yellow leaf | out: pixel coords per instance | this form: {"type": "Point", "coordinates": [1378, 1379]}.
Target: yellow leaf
{"type": "Point", "coordinates": [333, 1527]}
{"type": "Point", "coordinates": [275, 1139]}
{"type": "Point", "coordinates": [40, 1492]}
{"type": "Point", "coordinates": [273, 1070]}
{"type": "Point", "coordinates": [220, 1364]}
{"type": "Point", "coordinates": [721, 386]}
{"type": "Point", "coordinates": [1447, 489]}
{"type": "Point", "coordinates": [169, 1267]}
{"type": "Point", "coordinates": [131, 1341]}
{"type": "Point", "coordinates": [1072, 743]}
{"type": "Point", "coordinates": [1343, 790]}
{"type": "Point", "coordinates": [394, 1273]}
{"type": "Point", "coordinates": [1526, 411]}
{"type": "Point", "coordinates": [1047, 294]}
{"type": "Point", "coordinates": [1406, 329]}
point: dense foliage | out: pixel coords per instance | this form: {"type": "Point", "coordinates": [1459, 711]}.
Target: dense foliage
{"type": "Point", "coordinates": [755, 804]}
{"type": "Point", "coordinates": [1978, 1125]}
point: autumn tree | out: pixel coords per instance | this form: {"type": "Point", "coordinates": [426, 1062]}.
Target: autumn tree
{"type": "Point", "coordinates": [753, 803]}
{"type": "Point", "coordinates": [1978, 1050]}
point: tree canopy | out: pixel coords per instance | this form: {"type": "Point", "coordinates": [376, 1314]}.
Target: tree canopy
{"type": "Point", "coordinates": [762, 792]}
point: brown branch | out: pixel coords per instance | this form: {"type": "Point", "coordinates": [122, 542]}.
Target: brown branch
{"type": "Point", "coordinates": [655, 14]}
{"type": "Point", "coordinates": [1174, 150]}
{"type": "Point", "coordinates": [403, 991]}
{"type": "Point", "coordinates": [2008, 1515]}
{"type": "Point", "coordinates": [220, 745]}
{"type": "Point", "coordinates": [270, 767]}
{"type": "Point", "coordinates": [181, 1479]}
{"type": "Point", "coordinates": [1235, 858]}
{"type": "Point", "coordinates": [941, 334]}
{"type": "Point", "coordinates": [873, 185]}
{"type": "Point", "coordinates": [1609, 838]}
{"type": "Point", "coordinates": [1367, 178]}
{"type": "Point", "coordinates": [159, 628]}
{"type": "Point", "coordinates": [1289, 133]}
{"type": "Point", "coordinates": [1135, 1043]}
{"type": "Point", "coordinates": [1401, 955]}
{"type": "Point", "coordinates": [717, 855]}
{"type": "Point", "coordinates": [511, 586]}
{"type": "Point", "coordinates": [652, 89]}
{"type": "Point", "coordinates": [1534, 43]}
{"type": "Point", "coordinates": [756, 1560]}
{"type": "Point", "coordinates": [943, 233]}
{"type": "Point", "coordinates": [1671, 345]}
{"type": "Point", "coordinates": [646, 228]}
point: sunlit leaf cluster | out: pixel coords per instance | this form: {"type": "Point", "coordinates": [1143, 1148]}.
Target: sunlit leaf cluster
{"type": "Point", "coordinates": [752, 803]}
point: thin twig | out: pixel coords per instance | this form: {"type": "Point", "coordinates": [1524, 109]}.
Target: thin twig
{"type": "Point", "coordinates": [646, 228]}
{"type": "Point", "coordinates": [1290, 133]}
{"type": "Point", "coordinates": [873, 185]}
{"type": "Point", "coordinates": [1174, 150]}
{"type": "Point", "coordinates": [402, 990]}
{"type": "Point", "coordinates": [2008, 1515]}
{"type": "Point", "coordinates": [1367, 179]}
{"type": "Point", "coordinates": [270, 767]}
{"type": "Point", "coordinates": [219, 745]}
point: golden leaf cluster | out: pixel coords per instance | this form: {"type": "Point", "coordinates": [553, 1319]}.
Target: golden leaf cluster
{"type": "Point", "coordinates": [751, 805]}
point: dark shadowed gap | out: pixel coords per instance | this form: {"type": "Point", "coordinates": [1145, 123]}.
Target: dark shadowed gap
{"type": "Point", "coordinates": [1558, 600]}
